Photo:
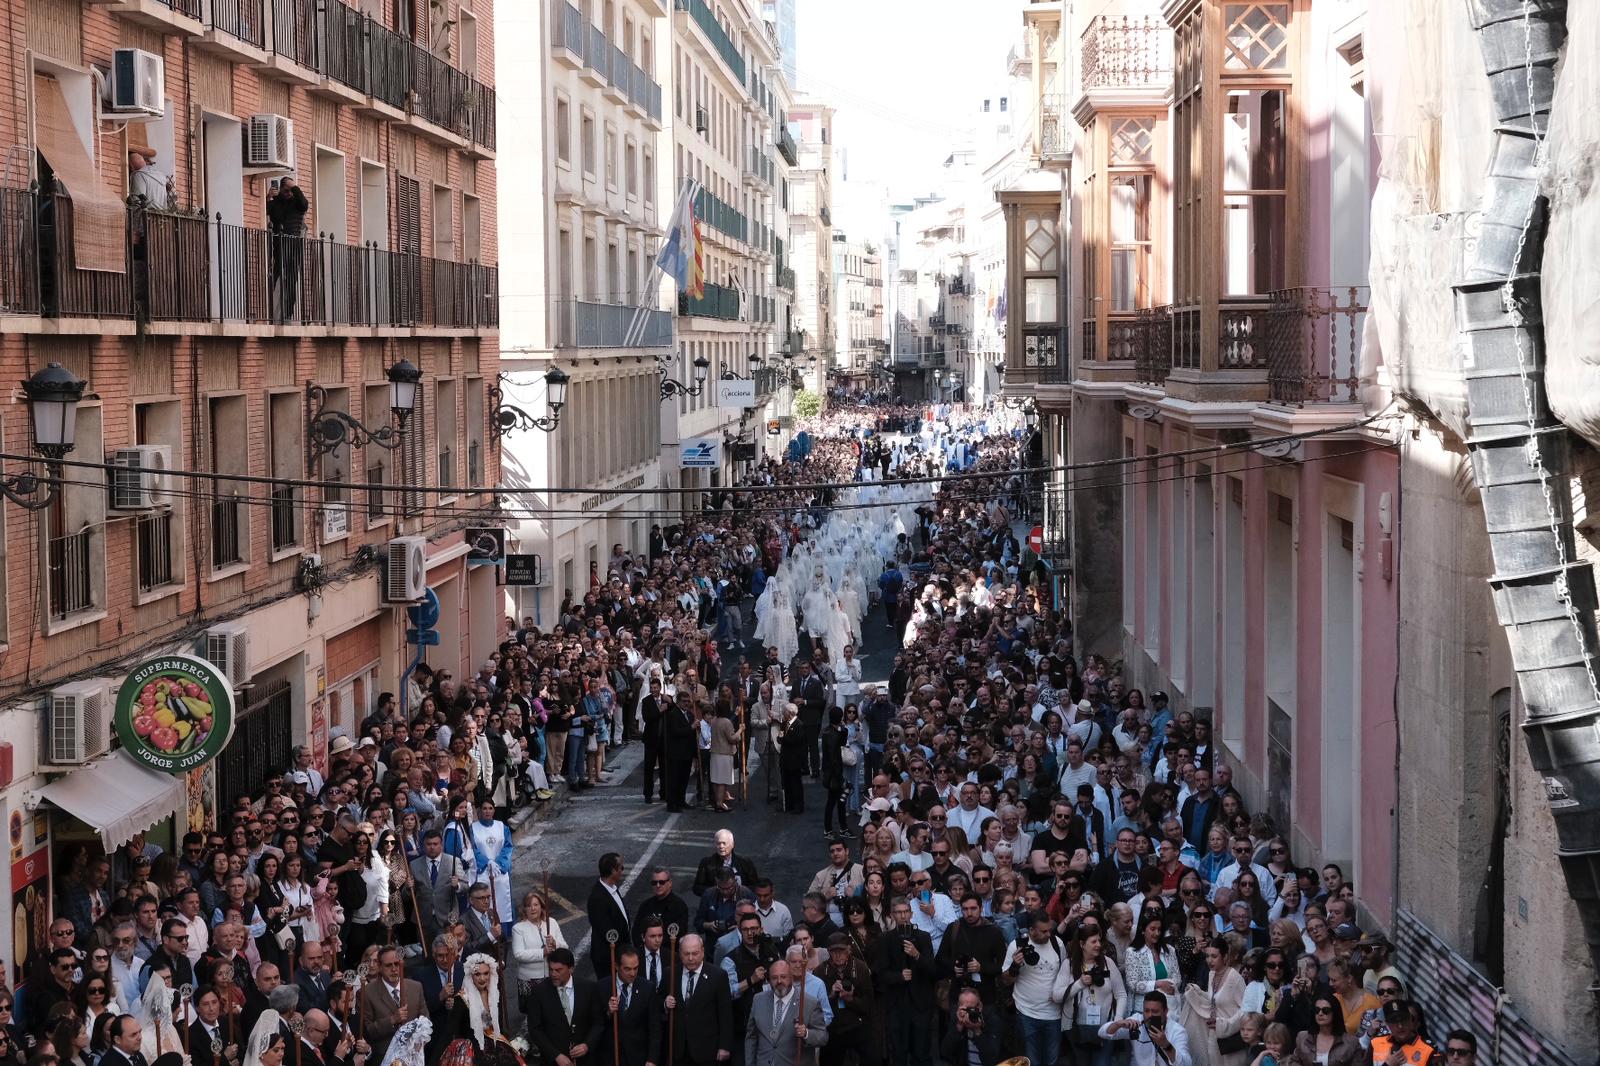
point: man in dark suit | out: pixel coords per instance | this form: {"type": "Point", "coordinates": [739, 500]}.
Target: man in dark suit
{"type": "Point", "coordinates": [566, 1017]}
{"type": "Point", "coordinates": [813, 702]}
{"type": "Point", "coordinates": [662, 904]}
{"type": "Point", "coordinates": [439, 878]}
{"type": "Point", "coordinates": [607, 914]}
{"type": "Point", "coordinates": [312, 977]}
{"type": "Point", "coordinates": [636, 1013]}
{"type": "Point", "coordinates": [651, 710]}
{"type": "Point", "coordinates": [126, 1034]}
{"type": "Point", "coordinates": [703, 1031]}
{"type": "Point", "coordinates": [207, 1031]}
{"type": "Point", "coordinates": [389, 1002]}
{"type": "Point", "coordinates": [678, 740]}
{"type": "Point", "coordinates": [906, 973]}
{"type": "Point", "coordinates": [654, 961]}
{"type": "Point", "coordinates": [484, 932]}
{"type": "Point", "coordinates": [705, 875]}
{"type": "Point", "coordinates": [440, 971]}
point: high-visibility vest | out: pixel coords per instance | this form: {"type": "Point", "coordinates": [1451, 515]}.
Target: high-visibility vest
{"type": "Point", "coordinates": [1418, 1053]}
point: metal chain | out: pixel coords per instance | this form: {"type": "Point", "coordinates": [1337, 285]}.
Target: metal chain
{"type": "Point", "coordinates": [1509, 301]}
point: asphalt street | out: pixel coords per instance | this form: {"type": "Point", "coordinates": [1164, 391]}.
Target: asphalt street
{"type": "Point", "coordinates": [561, 852]}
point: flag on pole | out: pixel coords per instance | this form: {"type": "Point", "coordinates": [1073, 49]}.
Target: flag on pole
{"type": "Point", "coordinates": [677, 254]}
{"type": "Point", "coordinates": [697, 267]}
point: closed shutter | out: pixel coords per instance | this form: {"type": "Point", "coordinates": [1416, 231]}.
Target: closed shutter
{"type": "Point", "coordinates": [408, 242]}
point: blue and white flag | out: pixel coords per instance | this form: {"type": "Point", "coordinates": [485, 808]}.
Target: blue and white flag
{"type": "Point", "coordinates": [677, 253]}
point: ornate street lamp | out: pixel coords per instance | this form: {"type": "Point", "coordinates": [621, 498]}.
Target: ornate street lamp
{"type": "Point", "coordinates": [330, 428]}
{"type": "Point", "coordinates": [53, 396]}
{"type": "Point", "coordinates": [509, 417]}
{"type": "Point", "coordinates": [673, 387]}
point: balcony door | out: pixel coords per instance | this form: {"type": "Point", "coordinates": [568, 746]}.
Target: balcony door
{"type": "Point", "coordinates": [222, 155]}
{"type": "Point", "coordinates": [333, 227]}
{"type": "Point", "coordinates": [374, 229]}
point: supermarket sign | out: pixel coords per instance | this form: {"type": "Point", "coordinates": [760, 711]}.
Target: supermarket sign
{"type": "Point", "coordinates": [174, 713]}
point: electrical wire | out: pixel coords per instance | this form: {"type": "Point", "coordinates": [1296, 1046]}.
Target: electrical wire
{"type": "Point", "coordinates": [1222, 447]}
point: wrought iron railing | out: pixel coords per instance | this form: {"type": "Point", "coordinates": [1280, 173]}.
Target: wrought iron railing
{"type": "Point", "coordinates": [447, 466]}
{"type": "Point", "coordinates": [1314, 344]}
{"type": "Point", "coordinates": [1152, 344]}
{"type": "Point", "coordinates": [285, 517]}
{"type": "Point", "coordinates": [568, 29]}
{"type": "Point", "coordinates": [19, 262]}
{"type": "Point", "coordinates": [154, 538]}
{"type": "Point", "coordinates": [65, 291]}
{"type": "Point", "coordinates": [587, 324]}
{"type": "Point", "coordinates": [786, 146]}
{"type": "Point", "coordinates": [719, 301]}
{"type": "Point", "coordinates": [1126, 52]}
{"type": "Point", "coordinates": [294, 30]}
{"type": "Point", "coordinates": [721, 216]}
{"type": "Point", "coordinates": [244, 19]}
{"type": "Point", "coordinates": [1055, 135]}
{"type": "Point", "coordinates": [702, 15]}
{"type": "Point", "coordinates": [1242, 336]}
{"type": "Point", "coordinates": [71, 585]}
{"type": "Point", "coordinates": [377, 495]}
{"type": "Point", "coordinates": [226, 542]}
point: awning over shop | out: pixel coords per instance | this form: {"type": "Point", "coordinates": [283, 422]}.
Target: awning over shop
{"type": "Point", "coordinates": [116, 796]}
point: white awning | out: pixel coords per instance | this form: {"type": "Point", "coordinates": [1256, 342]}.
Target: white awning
{"type": "Point", "coordinates": [117, 796]}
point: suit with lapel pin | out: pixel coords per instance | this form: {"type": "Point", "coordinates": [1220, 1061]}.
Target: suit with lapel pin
{"type": "Point", "coordinates": [770, 1041]}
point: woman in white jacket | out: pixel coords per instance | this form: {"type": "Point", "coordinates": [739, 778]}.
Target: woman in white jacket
{"type": "Point", "coordinates": [1094, 995]}
{"type": "Point", "coordinates": [1151, 963]}
{"type": "Point", "coordinates": [533, 938]}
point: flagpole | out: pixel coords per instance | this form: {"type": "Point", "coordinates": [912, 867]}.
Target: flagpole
{"type": "Point", "coordinates": [636, 323]}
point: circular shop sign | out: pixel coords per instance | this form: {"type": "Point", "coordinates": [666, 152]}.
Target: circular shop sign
{"type": "Point", "coordinates": [174, 713]}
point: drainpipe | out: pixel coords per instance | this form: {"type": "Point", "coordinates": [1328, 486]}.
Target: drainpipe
{"type": "Point", "coordinates": [1544, 596]}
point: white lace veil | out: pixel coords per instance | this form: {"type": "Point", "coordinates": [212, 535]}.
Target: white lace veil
{"type": "Point", "coordinates": [267, 1026]}
{"type": "Point", "coordinates": [409, 1045]}
{"type": "Point", "coordinates": [482, 1021]}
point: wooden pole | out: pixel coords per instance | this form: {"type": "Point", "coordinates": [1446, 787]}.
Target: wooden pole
{"type": "Point", "coordinates": [416, 911]}
{"type": "Point", "coordinates": [800, 1013]}
{"type": "Point", "coordinates": [744, 754]}
{"type": "Point", "coordinates": [184, 992]}
{"type": "Point", "coordinates": [672, 970]}
{"type": "Point", "coordinates": [362, 973]}
{"type": "Point", "coordinates": [616, 1016]}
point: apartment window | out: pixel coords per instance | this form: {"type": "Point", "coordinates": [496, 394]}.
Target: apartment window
{"type": "Point", "coordinates": [444, 223]}
{"type": "Point", "coordinates": [588, 146]}
{"type": "Point", "coordinates": [413, 459]}
{"type": "Point", "coordinates": [629, 165]}
{"type": "Point", "coordinates": [611, 157]}
{"type": "Point", "coordinates": [230, 511]}
{"type": "Point", "coordinates": [1003, 102]}
{"type": "Point", "coordinates": [1041, 255]}
{"type": "Point", "coordinates": [1254, 192]}
{"type": "Point", "coordinates": [591, 267]}
{"type": "Point", "coordinates": [986, 106]}
{"type": "Point", "coordinates": [649, 176]}
{"type": "Point", "coordinates": [286, 439]}
{"type": "Point", "coordinates": [336, 471]}
{"type": "Point", "coordinates": [468, 41]}
{"type": "Point", "coordinates": [563, 130]}
{"type": "Point", "coordinates": [445, 422]}
{"type": "Point", "coordinates": [377, 463]}
{"type": "Point", "coordinates": [614, 287]}
{"type": "Point", "coordinates": [1130, 241]}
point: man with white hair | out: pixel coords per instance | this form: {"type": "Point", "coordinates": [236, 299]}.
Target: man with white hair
{"type": "Point", "coordinates": [744, 871]}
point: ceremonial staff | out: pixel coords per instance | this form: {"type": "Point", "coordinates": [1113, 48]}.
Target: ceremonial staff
{"type": "Point", "coordinates": [672, 969]}
{"type": "Point", "coordinates": [362, 973]}
{"type": "Point", "coordinates": [297, 1026]}
{"type": "Point", "coordinates": [800, 1013]}
{"type": "Point", "coordinates": [184, 993]}
{"type": "Point", "coordinates": [616, 1015]}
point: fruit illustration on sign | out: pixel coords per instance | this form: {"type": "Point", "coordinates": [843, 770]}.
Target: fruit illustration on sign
{"type": "Point", "coordinates": [174, 713]}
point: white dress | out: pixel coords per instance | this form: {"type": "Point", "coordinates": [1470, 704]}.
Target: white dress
{"type": "Point", "coordinates": [781, 633]}
{"type": "Point", "coordinates": [818, 607]}
{"type": "Point", "coordinates": [488, 841]}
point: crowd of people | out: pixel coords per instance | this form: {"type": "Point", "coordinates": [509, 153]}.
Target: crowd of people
{"type": "Point", "coordinates": [1023, 855]}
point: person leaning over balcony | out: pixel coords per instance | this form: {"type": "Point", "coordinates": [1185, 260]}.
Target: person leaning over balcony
{"type": "Point", "coordinates": [286, 219]}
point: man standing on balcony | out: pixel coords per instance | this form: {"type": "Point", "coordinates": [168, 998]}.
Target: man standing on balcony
{"type": "Point", "coordinates": [286, 219]}
{"type": "Point", "coordinates": [144, 179]}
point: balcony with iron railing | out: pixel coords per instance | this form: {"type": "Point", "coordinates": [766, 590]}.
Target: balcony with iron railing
{"type": "Point", "coordinates": [719, 301]}
{"type": "Point", "coordinates": [1055, 133]}
{"type": "Point", "coordinates": [154, 538]}
{"type": "Point", "coordinates": [759, 166]}
{"type": "Point", "coordinates": [1314, 340]}
{"type": "Point", "coordinates": [1126, 53]}
{"type": "Point", "coordinates": [188, 268]}
{"type": "Point", "coordinates": [590, 324]}
{"type": "Point", "coordinates": [226, 541]}
{"type": "Point", "coordinates": [701, 15]}
{"type": "Point", "coordinates": [786, 146]}
{"type": "Point", "coordinates": [723, 217]}
{"type": "Point", "coordinates": [1150, 344]}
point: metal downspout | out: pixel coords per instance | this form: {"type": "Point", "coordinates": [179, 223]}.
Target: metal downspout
{"type": "Point", "coordinates": [1544, 595]}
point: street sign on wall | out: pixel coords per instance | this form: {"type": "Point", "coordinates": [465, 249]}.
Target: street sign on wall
{"type": "Point", "coordinates": [174, 713]}
{"type": "Point", "coordinates": [736, 392]}
{"type": "Point", "coordinates": [696, 452]}
{"type": "Point", "coordinates": [524, 570]}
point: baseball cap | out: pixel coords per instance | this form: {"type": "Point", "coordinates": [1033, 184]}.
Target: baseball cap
{"type": "Point", "coordinates": [838, 940]}
{"type": "Point", "coordinates": [1347, 931]}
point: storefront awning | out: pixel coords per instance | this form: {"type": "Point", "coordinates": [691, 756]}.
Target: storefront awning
{"type": "Point", "coordinates": [116, 796]}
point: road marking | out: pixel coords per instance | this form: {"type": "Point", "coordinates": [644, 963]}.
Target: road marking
{"type": "Point", "coordinates": [639, 867]}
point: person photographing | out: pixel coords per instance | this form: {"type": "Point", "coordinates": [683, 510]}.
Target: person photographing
{"type": "Point", "coordinates": [1155, 1041]}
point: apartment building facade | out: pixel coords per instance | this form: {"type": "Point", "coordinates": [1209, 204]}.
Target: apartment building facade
{"type": "Point", "coordinates": [727, 132]}
{"type": "Point", "coordinates": [811, 238]}
{"type": "Point", "coordinates": [858, 342]}
{"type": "Point", "coordinates": [1195, 234]}
{"type": "Point", "coordinates": [267, 353]}
{"type": "Point", "coordinates": [585, 131]}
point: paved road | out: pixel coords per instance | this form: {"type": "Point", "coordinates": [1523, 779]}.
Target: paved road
{"type": "Point", "coordinates": [614, 817]}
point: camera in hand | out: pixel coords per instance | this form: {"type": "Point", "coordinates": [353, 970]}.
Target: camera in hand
{"type": "Point", "coordinates": [1030, 954]}
{"type": "Point", "coordinates": [1158, 1024]}
{"type": "Point", "coordinates": [1098, 974]}
{"type": "Point", "coordinates": [973, 1015]}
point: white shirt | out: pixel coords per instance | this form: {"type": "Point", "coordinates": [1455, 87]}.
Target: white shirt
{"type": "Point", "coordinates": [777, 922]}
{"type": "Point", "coordinates": [918, 863]}
{"type": "Point", "coordinates": [1034, 992]}
{"type": "Point", "coordinates": [1144, 1052]}
{"type": "Point", "coordinates": [969, 821]}
{"type": "Point", "coordinates": [944, 913]}
{"type": "Point", "coordinates": [1228, 874]}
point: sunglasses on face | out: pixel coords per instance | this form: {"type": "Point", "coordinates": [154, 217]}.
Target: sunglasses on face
{"type": "Point", "coordinates": [1458, 1052]}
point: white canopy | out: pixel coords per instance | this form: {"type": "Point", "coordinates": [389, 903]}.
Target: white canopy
{"type": "Point", "coordinates": [116, 795]}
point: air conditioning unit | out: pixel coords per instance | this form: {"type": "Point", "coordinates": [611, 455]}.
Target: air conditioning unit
{"type": "Point", "coordinates": [138, 83]}
{"type": "Point", "coordinates": [139, 477]}
{"type": "Point", "coordinates": [227, 647]}
{"type": "Point", "coordinates": [77, 723]}
{"type": "Point", "coordinates": [269, 143]}
{"type": "Point", "coordinates": [702, 120]}
{"type": "Point", "coordinates": [405, 570]}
